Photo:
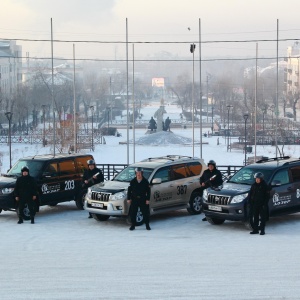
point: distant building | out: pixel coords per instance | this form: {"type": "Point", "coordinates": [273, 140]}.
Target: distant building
{"type": "Point", "coordinates": [10, 67]}
{"type": "Point", "coordinates": [291, 74]}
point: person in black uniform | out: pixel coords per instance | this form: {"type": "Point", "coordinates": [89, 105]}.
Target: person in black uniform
{"type": "Point", "coordinates": [91, 176]}
{"type": "Point", "coordinates": [152, 124]}
{"type": "Point", "coordinates": [211, 177]}
{"type": "Point", "coordinates": [258, 198]}
{"type": "Point", "coordinates": [138, 196]}
{"type": "Point", "coordinates": [26, 192]}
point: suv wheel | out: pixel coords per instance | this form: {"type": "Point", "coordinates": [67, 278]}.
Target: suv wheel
{"type": "Point", "coordinates": [79, 200]}
{"type": "Point", "coordinates": [100, 217]}
{"type": "Point", "coordinates": [139, 218]}
{"type": "Point", "coordinates": [25, 214]}
{"type": "Point", "coordinates": [215, 221]}
{"type": "Point", "coordinates": [0, 210]}
{"type": "Point", "coordinates": [195, 204]}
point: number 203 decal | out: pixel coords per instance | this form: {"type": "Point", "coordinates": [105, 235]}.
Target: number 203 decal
{"type": "Point", "coordinates": [181, 189]}
{"type": "Point", "coordinates": [69, 185]}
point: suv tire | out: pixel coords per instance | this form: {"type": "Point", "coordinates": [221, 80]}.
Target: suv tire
{"type": "Point", "coordinates": [215, 221]}
{"type": "Point", "coordinates": [79, 200]}
{"type": "Point", "coordinates": [195, 204]}
{"type": "Point", "coordinates": [139, 218]}
{"type": "Point", "coordinates": [25, 214]}
{"type": "Point", "coordinates": [100, 217]}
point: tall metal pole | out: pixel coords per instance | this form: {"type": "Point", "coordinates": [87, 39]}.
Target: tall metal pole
{"type": "Point", "coordinates": [255, 105]}
{"type": "Point", "coordinates": [200, 73]}
{"type": "Point", "coordinates": [277, 76]}
{"type": "Point", "coordinates": [133, 104]}
{"type": "Point", "coordinates": [9, 117]}
{"type": "Point", "coordinates": [192, 49]}
{"type": "Point", "coordinates": [92, 111]}
{"type": "Point", "coordinates": [74, 104]}
{"type": "Point", "coordinates": [127, 89]}
{"type": "Point", "coordinates": [52, 92]}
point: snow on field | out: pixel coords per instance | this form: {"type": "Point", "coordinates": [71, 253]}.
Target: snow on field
{"type": "Point", "coordinates": [67, 256]}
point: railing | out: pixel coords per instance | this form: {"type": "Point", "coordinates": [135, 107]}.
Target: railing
{"type": "Point", "coordinates": [111, 170]}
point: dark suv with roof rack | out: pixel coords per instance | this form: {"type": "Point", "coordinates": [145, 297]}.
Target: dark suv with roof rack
{"type": "Point", "coordinates": [58, 178]}
{"type": "Point", "coordinates": [230, 201]}
{"type": "Point", "coordinates": [174, 184]}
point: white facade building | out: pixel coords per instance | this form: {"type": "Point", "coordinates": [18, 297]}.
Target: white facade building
{"type": "Point", "coordinates": [10, 67]}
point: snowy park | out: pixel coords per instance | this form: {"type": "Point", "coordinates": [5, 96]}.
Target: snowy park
{"type": "Point", "coordinates": [66, 255]}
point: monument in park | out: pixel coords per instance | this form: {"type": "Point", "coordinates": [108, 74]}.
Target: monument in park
{"type": "Point", "coordinates": [159, 115]}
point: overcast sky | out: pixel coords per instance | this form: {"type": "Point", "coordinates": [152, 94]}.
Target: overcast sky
{"type": "Point", "coordinates": [155, 20]}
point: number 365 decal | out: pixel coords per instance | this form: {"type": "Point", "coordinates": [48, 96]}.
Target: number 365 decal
{"type": "Point", "coordinates": [181, 189]}
{"type": "Point", "coordinates": [69, 185]}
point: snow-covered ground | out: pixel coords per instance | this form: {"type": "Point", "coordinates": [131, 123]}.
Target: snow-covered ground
{"type": "Point", "coordinates": [66, 256]}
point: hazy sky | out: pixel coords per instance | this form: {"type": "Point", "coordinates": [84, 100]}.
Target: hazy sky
{"type": "Point", "coordinates": [154, 21]}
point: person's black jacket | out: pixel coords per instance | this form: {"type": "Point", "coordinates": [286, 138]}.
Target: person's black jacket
{"type": "Point", "coordinates": [26, 188]}
{"type": "Point", "coordinates": [207, 174]}
{"type": "Point", "coordinates": [139, 191]}
{"type": "Point", "coordinates": [88, 175]}
{"type": "Point", "coordinates": [259, 194]}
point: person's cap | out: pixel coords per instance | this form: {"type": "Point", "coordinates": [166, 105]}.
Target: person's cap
{"type": "Point", "coordinates": [90, 162]}
{"type": "Point", "coordinates": [138, 169]}
{"type": "Point", "coordinates": [259, 175]}
{"type": "Point", "coordinates": [211, 162]}
{"type": "Point", "coordinates": [25, 169]}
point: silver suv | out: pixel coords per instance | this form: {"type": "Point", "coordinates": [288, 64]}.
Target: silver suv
{"type": "Point", "coordinates": [174, 183]}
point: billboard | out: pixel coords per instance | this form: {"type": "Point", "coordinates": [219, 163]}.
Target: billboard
{"type": "Point", "coordinates": [158, 82]}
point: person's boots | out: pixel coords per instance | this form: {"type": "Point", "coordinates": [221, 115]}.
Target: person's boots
{"type": "Point", "coordinates": [148, 227]}
{"type": "Point", "coordinates": [20, 221]}
{"type": "Point", "coordinates": [32, 220]}
{"type": "Point", "coordinates": [262, 232]}
{"type": "Point", "coordinates": [132, 227]}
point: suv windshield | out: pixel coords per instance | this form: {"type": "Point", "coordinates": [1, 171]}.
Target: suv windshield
{"type": "Point", "coordinates": [34, 166]}
{"type": "Point", "coordinates": [129, 173]}
{"type": "Point", "coordinates": [246, 175]}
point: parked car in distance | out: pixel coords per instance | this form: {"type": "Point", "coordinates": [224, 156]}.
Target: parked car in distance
{"type": "Point", "coordinates": [174, 184]}
{"type": "Point", "coordinates": [58, 178]}
{"type": "Point", "coordinates": [230, 202]}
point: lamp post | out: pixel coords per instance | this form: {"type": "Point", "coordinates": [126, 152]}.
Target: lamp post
{"type": "Point", "coordinates": [228, 132]}
{"type": "Point", "coordinates": [9, 117]}
{"type": "Point", "coordinates": [192, 50]}
{"type": "Point", "coordinates": [92, 110]}
{"type": "Point", "coordinates": [246, 115]}
{"type": "Point", "coordinates": [44, 131]}
{"type": "Point", "coordinates": [212, 120]}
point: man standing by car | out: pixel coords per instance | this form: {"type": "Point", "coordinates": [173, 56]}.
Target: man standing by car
{"type": "Point", "coordinates": [26, 193]}
{"type": "Point", "coordinates": [258, 199]}
{"type": "Point", "coordinates": [139, 197]}
{"type": "Point", "coordinates": [211, 177]}
{"type": "Point", "coordinates": [91, 176]}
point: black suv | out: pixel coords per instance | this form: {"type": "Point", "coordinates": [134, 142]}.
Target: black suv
{"type": "Point", "coordinates": [230, 202]}
{"type": "Point", "coordinates": [58, 177]}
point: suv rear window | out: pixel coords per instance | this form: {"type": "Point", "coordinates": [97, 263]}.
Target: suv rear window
{"type": "Point", "coordinates": [67, 167]}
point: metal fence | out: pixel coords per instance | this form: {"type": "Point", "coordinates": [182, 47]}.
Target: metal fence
{"type": "Point", "coordinates": [111, 170]}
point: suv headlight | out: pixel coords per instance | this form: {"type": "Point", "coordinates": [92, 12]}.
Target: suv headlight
{"type": "Point", "coordinates": [118, 196]}
{"type": "Point", "coordinates": [239, 198]}
{"type": "Point", "coordinates": [89, 193]}
{"type": "Point", "coordinates": [204, 196]}
{"type": "Point", "coordinates": [7, 190]}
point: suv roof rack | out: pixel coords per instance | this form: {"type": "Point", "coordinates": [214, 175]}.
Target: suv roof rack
{"type": "Point", "coordinates": [168, 157]}
{"type": "Point", "coordinates": [272, 159]}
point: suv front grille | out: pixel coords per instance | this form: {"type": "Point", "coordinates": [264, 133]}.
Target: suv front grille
{"type": "Point", "coordinates": [100, 196]}
{"type": "Point", "coordinates": [215, 199]}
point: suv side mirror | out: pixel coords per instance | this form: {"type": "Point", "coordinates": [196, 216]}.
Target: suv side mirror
{"type": "Point", "coordinates": [156, 181]}
{"type": "Point", "coordinates": [276, 183]}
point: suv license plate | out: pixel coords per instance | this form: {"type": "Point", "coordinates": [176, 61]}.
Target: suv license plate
{"type": "Point", "coordinates": [99, 205]}
{"type": "Point", "coordinates": [215, 208]}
